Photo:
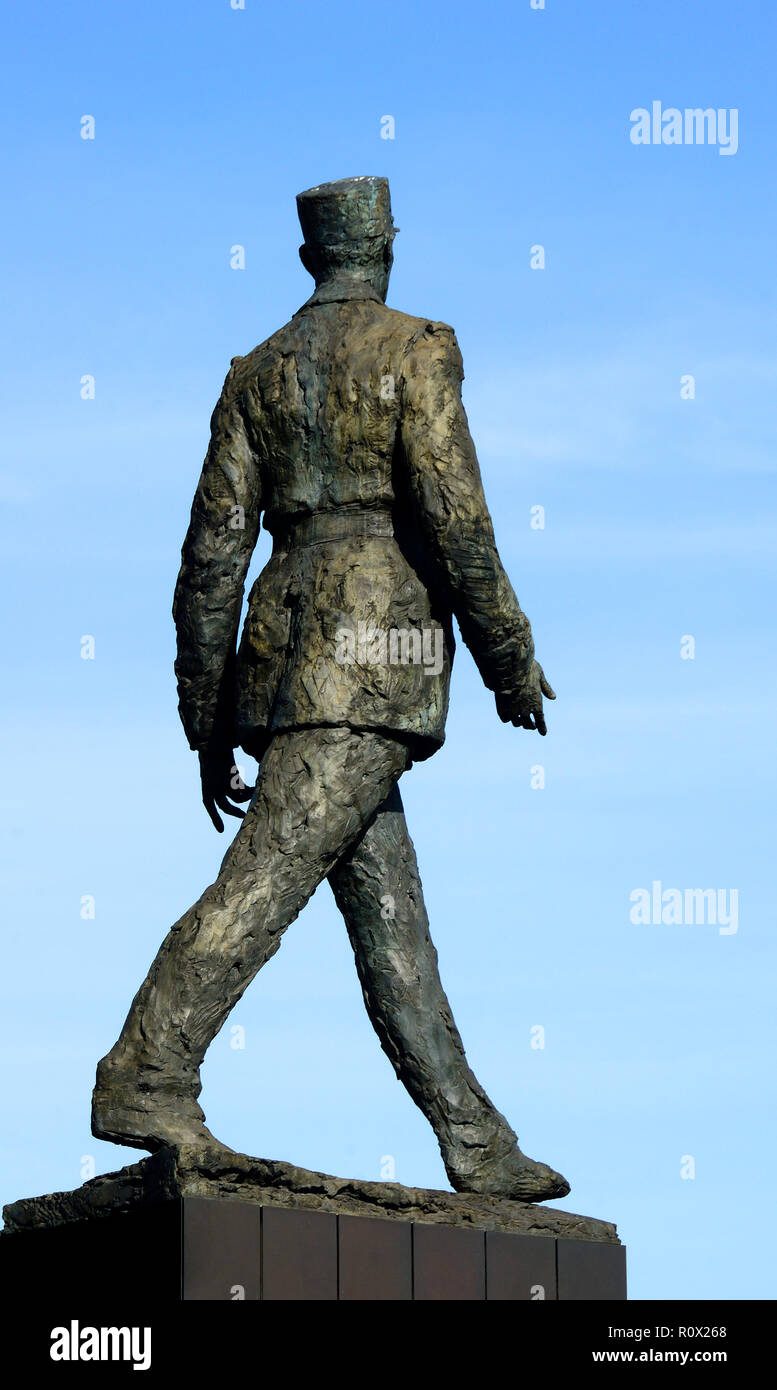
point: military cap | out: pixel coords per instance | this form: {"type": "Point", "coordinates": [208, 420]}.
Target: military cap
{"type": "Point", "coordinates": [347, 210]}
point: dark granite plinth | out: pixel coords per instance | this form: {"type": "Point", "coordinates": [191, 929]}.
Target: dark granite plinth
{"type": "Point", "coordinates": [192, 1224]}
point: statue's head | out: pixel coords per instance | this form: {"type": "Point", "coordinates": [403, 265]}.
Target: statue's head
{"type": "Point", "coordinates": [348, 231]}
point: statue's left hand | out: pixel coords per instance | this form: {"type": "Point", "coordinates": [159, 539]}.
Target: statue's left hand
{"type": "Point", "coordinates": [221, 783]}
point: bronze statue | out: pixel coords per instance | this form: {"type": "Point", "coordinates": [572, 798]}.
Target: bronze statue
{"type": "Point", "coordinates": [346, 430]}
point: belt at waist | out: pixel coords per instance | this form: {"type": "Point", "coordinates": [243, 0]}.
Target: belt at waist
{"type": "Point", "coordinates": [341, 523]}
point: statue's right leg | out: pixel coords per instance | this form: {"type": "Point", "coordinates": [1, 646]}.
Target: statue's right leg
{"type": "Point", "coordinates": [378, 890]}
{"type": "Point", "coordinates": [316, 790]}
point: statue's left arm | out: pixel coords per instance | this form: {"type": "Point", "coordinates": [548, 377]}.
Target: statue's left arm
{"type": "Point", "coordinates": [215, 557]}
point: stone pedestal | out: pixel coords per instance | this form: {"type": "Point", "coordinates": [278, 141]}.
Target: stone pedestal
{"type": "Point", "coordinates": [199, 1224]}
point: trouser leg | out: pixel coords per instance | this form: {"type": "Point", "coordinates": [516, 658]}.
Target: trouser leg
{"type": "Point", "coordinates": [378, 890]}
{"type": "Point", "coordinates": [316, 790]}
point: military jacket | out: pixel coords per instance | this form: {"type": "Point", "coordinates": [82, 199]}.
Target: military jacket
{"type": "Point", "coordinates": [345, 435]}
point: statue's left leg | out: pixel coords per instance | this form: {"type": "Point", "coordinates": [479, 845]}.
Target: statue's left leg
{"type": "Point", "coordinates": [315, 792]}
{"type": "Point", "coordinates": [378, 890]}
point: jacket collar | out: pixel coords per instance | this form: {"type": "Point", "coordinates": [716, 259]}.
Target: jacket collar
{"type": "Point", "coordinates": [340, 288]}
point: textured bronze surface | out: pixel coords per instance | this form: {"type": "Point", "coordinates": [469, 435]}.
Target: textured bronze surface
{"type": "Point", "coordinates": [346, 434]}
{"type": "Point", "coordinates": [185, 1226]}
{"type": "Point", "coordinates": [214, 1172]}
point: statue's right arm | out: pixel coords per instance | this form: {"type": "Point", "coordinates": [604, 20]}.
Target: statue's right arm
{"type": "Point", "coordinates": [453, 518]}
{"type": "Point", "coordinates": [216, 553]}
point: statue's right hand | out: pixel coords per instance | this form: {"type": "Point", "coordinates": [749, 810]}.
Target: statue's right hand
{"type": "Point", "coordinates": [221, 783]}
{"type": "Point", "coordinates": [523, 707]}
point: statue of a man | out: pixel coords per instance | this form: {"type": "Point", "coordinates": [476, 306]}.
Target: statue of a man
{"type": "Point", "coordinates": [346, 431]}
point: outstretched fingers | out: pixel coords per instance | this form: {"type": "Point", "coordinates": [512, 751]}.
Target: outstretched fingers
{"type": "Point", "coordinates": [534, 721]}
{"type": "Point", "coordinates": [546, 687]}
{"type": "Point", "coordinates": [210, 807]}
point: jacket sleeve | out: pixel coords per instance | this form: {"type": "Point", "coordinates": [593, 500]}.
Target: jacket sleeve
{"type": "Point", "coordinates": [215, 557]}
{"type": "Point", "coordinates": [452, 515]}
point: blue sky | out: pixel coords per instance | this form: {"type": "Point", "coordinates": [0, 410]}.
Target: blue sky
{"type": "Point", "coordinates": [511, 130]}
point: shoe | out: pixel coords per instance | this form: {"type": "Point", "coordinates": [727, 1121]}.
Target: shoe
{"type": "Point", "coordinates": [514, 1176]}
{"type": "Point", "coordinates": [129, 1110]}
